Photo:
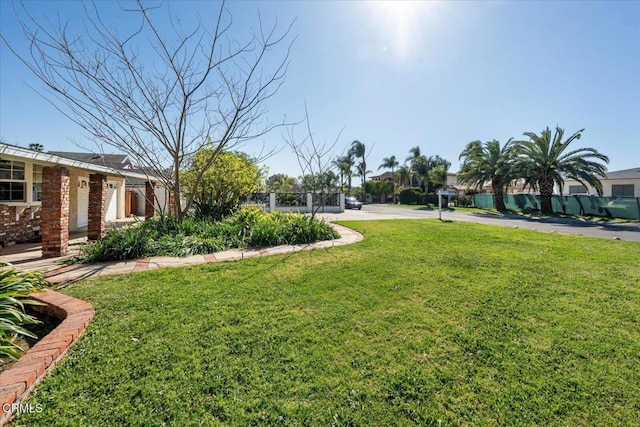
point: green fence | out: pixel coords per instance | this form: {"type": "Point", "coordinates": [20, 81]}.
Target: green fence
{"type": "Point", "coordinates": [612, 207]}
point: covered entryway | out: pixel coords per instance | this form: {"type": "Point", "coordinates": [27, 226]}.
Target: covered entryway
{"type": "Point", "coordinates": [111, 202]}
{"type": "Point", "coordinates": [83, 201]}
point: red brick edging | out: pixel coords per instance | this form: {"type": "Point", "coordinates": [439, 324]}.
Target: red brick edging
{"type": "Point", "coordinates": [17, 382]}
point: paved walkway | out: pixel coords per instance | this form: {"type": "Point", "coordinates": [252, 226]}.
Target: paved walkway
{"type": "Point", "coordinates": [27, 257]}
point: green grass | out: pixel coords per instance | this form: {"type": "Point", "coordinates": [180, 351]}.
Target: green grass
{"type": "Point", "coordinates": [422, 323]}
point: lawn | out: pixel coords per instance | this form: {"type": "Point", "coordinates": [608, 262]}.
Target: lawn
{"type": "Point", "coordinates": [422, 323]}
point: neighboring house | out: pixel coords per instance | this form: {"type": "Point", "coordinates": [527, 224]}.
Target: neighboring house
{"type": "Point", "coordinates": [115, 161]}
{"type": "Point", "coordinates": [386, 177]}
{"type": "Point", "coordinates": [622, 183]}
{"type": "Point", "coordinates": [47, 195]}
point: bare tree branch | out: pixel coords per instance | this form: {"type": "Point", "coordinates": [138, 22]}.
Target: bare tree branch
{"type": "Point", "coordinates": [314, 158]}
{"type": "Point", "coordinates": [157, 95]}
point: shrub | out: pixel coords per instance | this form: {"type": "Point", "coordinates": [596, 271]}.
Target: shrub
{"type": "Point", "coordinates": [166, 236]}
{"type": "Point", "coordinates": [411, 196]}
{"type": "Point", "coordinates": [462, 201]}
{"type": "Point", "coordinates": [15, 288]}
{"type": "Point", "coordinates": [431, 199]}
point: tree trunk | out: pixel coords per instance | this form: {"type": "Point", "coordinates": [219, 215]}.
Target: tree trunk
{"type": "Point", "coordinates": [498, 199]}
{"type": "Point", "coordinates": [546, 191]}
{"type": "Point", "coordinates": [498, 195]}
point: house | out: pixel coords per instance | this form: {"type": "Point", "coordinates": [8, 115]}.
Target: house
{"type": "Point", "coordinates": [134, 203]}
{"type": "Point", "coordinates": [622, 183]}
{"type": "Point", "coordinates": [386, 177]}
{"type": "Point", "coordinates": [48, 195]}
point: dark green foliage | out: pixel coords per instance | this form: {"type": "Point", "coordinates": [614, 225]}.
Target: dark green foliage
{"type": "Point", "coordinates": [247, 228]}
{"type": "Point", "coordinates": [431, 199]}
{"type": "Point", "coordinates": [15, 287]}
{"type": "Point", "coordinates": [376, 188]}
{"type": "Point", "coordinates": [462, 201]}
{"type": "Point", "coordinates": [411, 196]}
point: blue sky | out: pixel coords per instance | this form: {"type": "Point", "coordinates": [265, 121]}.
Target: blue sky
{"type": "Point", "coordinates": [398, 74]}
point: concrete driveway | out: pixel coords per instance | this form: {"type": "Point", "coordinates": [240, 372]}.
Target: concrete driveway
{"type": "Point", "coordinates": [624, 231]}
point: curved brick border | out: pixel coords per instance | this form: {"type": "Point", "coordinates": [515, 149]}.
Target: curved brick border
{"type": "Point", "coordinates": [69, 273]}
{"type": "Point", "coordinates": [17, 382]}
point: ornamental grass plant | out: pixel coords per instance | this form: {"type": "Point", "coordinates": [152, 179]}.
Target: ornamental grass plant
{"type": "Point", "coordinates": [249, 227]}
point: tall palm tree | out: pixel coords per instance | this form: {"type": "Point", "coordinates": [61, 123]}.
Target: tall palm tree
{"type": "Point", "coordinates": [543, 161]}
{"type": "Point", "coordinates": [489, 162]}
{"type": "Point", "coordinates": [421, 168]}
{"type": "Point", "coordinates": [413, 159]}
{"type": "Point", "coordinates": [391, 163]}
{"type": "Point", "coordinates": [358, 150]}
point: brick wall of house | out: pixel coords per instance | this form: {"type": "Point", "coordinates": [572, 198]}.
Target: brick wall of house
{"type": "Point", "coordinates": [97, 206]}
{"type": "Point", "coordinates": [24, 229]}
{"type": "Point", "coordinates": [55, 211]}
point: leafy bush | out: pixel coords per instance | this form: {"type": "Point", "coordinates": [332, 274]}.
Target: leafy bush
{"type": "Point", "coordinates": [411, 196]}
{"type": "Point", "coordinates": [15, 287]}
{"type": "Point", "coordinates": [225, 183]}
{"type": "Point", "coordinates": [431, 199]}
{"type": "Point", "coordinates": [462, 201]}
{"type": "Point", "coordinates": [166, 236]}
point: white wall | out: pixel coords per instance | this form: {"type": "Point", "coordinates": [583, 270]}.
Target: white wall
{"type": "Point", "coordinates": [607, 185]}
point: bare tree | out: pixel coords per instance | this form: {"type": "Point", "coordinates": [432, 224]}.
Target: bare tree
{"type": "Point", "coordinates": [158, 95]}
{"type": "Point", "coordinates": [314, 158]}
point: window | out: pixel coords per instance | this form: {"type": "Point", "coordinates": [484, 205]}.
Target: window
{"type": "Point", "coordinates": [37, 183]}
{"type": "Point", "coordinates": [622, 190]}
{"type": "Point", "coordinates": [12, 181]}
{"type": "Point", "coordinates": [577, 189]}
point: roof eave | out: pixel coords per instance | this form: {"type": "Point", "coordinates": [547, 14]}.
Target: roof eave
{"type": "Point", "coordinates": [37, 156]}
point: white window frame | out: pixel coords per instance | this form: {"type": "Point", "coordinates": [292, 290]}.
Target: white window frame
{"type": "Point", "coordinates": [13, 172]}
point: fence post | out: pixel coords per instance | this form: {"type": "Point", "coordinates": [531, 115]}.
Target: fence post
{"type": "Point", "coordinates": [309, 203]}
{"type": "Point", "coordinates": [272, 201]}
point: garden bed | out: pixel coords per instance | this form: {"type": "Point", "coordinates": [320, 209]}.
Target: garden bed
{"type": "Point", "coordinates": [40, 330]}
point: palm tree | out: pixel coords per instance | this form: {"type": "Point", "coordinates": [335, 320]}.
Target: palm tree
{"type": "Point", "coordinates": [414, 156]}
{"type": "Point", "coordinates": [542, 161]}
{"type": "Point", "coordinates": [344, 164]}
{"type": "Point", "coordinates": [36, 147]}
{"type": "Point", "coordinates": [421, 168]}
{"type": "Point", "coordinates": [438, 169]}
{"type": "Point", "coordinates": [404, 175]}
{"type": "Point", "coordinates": [358, 150]}
{"type": "Point", "coordinates": [391, 163]}
{"type": "Point", "coordinates": [489, 162]}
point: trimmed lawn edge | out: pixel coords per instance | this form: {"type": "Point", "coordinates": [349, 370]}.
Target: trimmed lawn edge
{"type": "Point", "coordinates": [17, 382]}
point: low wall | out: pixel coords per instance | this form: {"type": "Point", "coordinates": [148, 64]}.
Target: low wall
{"type": "Point", "coordinates": [17, 382]}
{"type": "Point", "coordinates": [306, 205]}
{"type": "Point", "coordinates": [23, 227]}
